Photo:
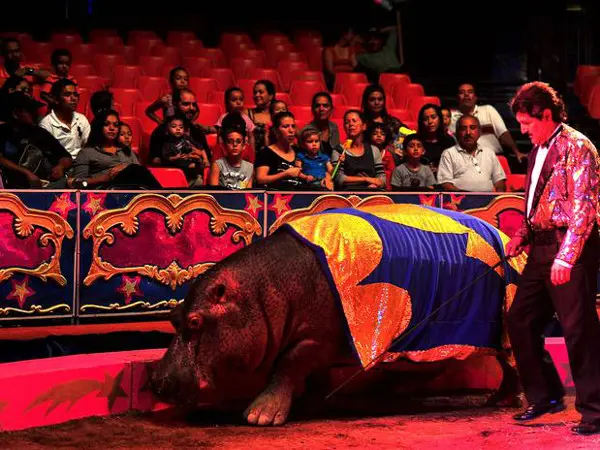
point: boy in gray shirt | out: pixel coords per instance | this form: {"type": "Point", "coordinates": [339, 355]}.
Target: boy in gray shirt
{"type": "Point", "coordinates": [232, 172]}
{"type": "Point", "coordinates": [413, 174]}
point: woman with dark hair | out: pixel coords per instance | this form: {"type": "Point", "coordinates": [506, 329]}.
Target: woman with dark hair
{"type": "Point", "coordinates": [13, 84]}
{"type": "Point", "coordinates": [374, 109]}
{"type": "Point", "coordinates": [322, 108]}
{"type": "Point", "coordinates": [431, 130]}
{"type": "Point", "coordinates": [360, 166]}
{"type": "Point", "coordinates": [105, 163]}
{"type": "Point", "coordinates": [264, 94]}
{"type": "Point", "coordinates": [275, 164]}
{"type": "Point", "coordinates": [179, 79]}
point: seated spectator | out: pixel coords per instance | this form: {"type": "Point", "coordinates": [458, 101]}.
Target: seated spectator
{"type": "Point", "coordinates": [494, 133]}
{"type": "Point", "coordinates": [374, 109]}
{"type": "Point", "coordinates": [61, 63]}
{"type": "Point", "coordinates": [340, 57]}
{"type": "Point", "coordinates": [12, 84]}
{"type": "Point", "coordinates": [10, 50]}
{"type": "Point", "coordinates": [178, 80]}
{"type": "Point", "coordinates": [125, 135]}
{"type": "Point", "coordinates": [275, 164]}
{"type": "Point", "coordinates": [71, 128]}
{"type": "Point", "coordinates": [412, 174]}
{"type": "Point", "coordinates": [316, 166]}
{"type": "Point", "coordinates": [179, 151]}
{"type": "Point", "coordinates": [186, 105]}
{"type": "Point", "coordinates": [235, 120]}
{"type": "Point", "coordinates": [234, 102]}
{"type": "Point", "coordinates": [322, 108]}
{"type": "Point", "coordinates": [447, 116]}
{"type": "Point", "coordinates": [381, 53]}
{"type": "Point", "coordinates": [231, 171]}
{"type": "Point", "coordinates": [360, 165]}
{"type": "Point", "coordinates": [468, 165]}
{"type": "Point", "coordinates": [276, 106]}
{"type": "Point", "coordinates": [105, 163]}
{"type": "Point", "coordinates": [30, 157]}
{"type": "Point", "coordinates": [431, 131]}
{"type": "Point", "coordinates": [264, 94]}
{"type": "Point", "coordinates": [380, 136]}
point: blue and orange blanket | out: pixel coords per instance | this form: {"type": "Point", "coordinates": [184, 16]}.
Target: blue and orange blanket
{"type": "Point", "coordinates": [390, 266]}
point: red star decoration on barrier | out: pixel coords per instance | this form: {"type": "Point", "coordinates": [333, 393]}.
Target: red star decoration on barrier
{"type": "Point", "coordinates": [20, 291]}
{"type": "Point", "coordinates": [427, 200]}
{"type": "Point", "coordinates": [253, 204]}
{"type": "Point", "coordinates": [280, 204]}
{"type": "Point", "coordinates": [94, 203]}
{"type": "Point", "coordinates": [130, 287]}
{"type": "Point", "coordinates": [454, 202]}
{"type": "Point", "coordinates": [63, 204]}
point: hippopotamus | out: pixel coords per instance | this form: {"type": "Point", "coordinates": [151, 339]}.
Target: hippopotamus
{"type": "Point", "coordinates": [255, 326]}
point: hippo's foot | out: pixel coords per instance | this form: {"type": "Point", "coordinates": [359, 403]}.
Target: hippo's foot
{"type": "Point", "coordinates": [272, 406]}
{"type": "Point", "coordinates": [508, 394]}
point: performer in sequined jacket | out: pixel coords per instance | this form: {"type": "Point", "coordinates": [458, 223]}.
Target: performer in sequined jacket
{"type": "Point", "coordinates": [561, 229]}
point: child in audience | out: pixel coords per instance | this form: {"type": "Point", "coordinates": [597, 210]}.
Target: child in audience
{"type": "Point", "coordinates": [316, 166]}
{"type": "Point", "coordinates": [178, 79]}
{"type": "Point", "coordinates": [231, 171]}
{"type": "Point", "coordinates": [275, 107]}
{"type": "Point", "coordinates": [61, 64]}
{"type": "Point", "coordinates": [125, 135]}
{"type": "Point", "coordinates": [179, 151]}
{"type": "Point", "coordinates": [447, 118]}
{"type": "Point", "coordinates": [234, 103]}
{"type": "Point", "coordinates": [413, 174]}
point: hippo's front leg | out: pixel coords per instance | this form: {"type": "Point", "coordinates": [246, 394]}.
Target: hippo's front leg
{"type": "Point", "coordinates": [273, 405]}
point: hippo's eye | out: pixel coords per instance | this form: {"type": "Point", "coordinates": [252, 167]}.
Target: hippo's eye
{"type": "Point", "coordinates": [219, 292]}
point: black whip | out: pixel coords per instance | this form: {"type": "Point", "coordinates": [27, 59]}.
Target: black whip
{"type": "Point", "coordinates": [410, 330]}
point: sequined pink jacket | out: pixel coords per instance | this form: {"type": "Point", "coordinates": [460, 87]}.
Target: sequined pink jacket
{"type": "Point", "coordinates": [567, 192]}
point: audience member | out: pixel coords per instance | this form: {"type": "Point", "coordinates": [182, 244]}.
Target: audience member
{"type": "Point", "coordinates": [316, 166]}
{"type": "Point", "coordinates": [231, 171]}
{"type": "Point", "coordinates": [178, 80]}
{"type": "Point", "coordinates": [412, 174]}
{"type": "Point", "coordinates": [322, 108]}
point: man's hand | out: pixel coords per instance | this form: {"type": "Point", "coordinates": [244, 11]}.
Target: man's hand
{"type": "Point", "coordinates": [112, 173]}
{"type": "Point", "coordinates": [520, 156]}
{"type": "Point", "coordinates": [559, 274]}
{"type": "Point", "coordinates": [515, 247]}
{"type": "Point", "coordinates": [34, 180]}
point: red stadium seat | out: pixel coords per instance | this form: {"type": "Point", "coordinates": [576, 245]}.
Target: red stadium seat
{"type": "Point", "coordinates": [81, 70]}
{"type": "Point", "coordinates": [169, 177]}
{"type": "Point", "coordinates": [241, 67]}
{"type": "Point", "coordinates": [223, 76]}
{"type": "Point", "coordinates": [285, 69]}
{"type": "Point", "coordinates": [126, 77]}
{"type": "Point", "coordinates": [307, 75]}
{"type": "Point", "coordinates": [302, 92]}
{"type": "Point", "coordinates": [83, 53]}
{"type": "Point", "coordinates": [152, 87]}
{"type": "Point", "coordinates": [284, 97]}
{"type": "Point", "coordinates": [176, 38]}
{"type": "Point", "coordinates": [301, 113]}
{"type": "Point", "coordinates": [93, 83]}
{"type": "Point", "coordinates": [403, 92]}
{"type": "Point", "coordinates": [209, 113]}
{"type": "Point", "coordinates": [354, 93]}
{"type": "Point", "coordinates": [191, 48]}
{"type": "Point", "coordinates": [127, 98]}
{"type": "Point", "coordinates": [404, 115]}
{"type": "Point", "coordinates": [65, 40]}
{"type": "Point", "coordinates": [388, 81]}
{"type": "Point", "coordinates": [259, 73]}
{"type": "Point", "coordinates": [338, 99]}
{"type": "Point", "coordinates": [195, 65]}
{"type": "Point", "coordinates": [414, 104]}
{"type": "Point", "coordinates": [84, 100]}
{"type": "Point", "coordinates": [202, 87]}
{"type": "Point", "coordinates": [171, 55]}
{"type": "Point", "coordinates": [216, 54]}
{"type": "Point", "coordinates": [105, 64]}
{"type": "Point", "coordinates": [348, 78]}
{"type": "Point", "coordinates": [148, 125]}
{"type": "Point", "coordinates": [152, 66]}
{"type": "Point", "coordinates": [258, 56]}
{"type": "Point", "coordinates": [247, 87]}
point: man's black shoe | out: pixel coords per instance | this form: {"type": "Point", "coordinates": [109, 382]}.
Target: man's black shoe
{"type": "Point", "coordinates": [539, 409]}
{"type": "Point", "coordinates": [585, 427]}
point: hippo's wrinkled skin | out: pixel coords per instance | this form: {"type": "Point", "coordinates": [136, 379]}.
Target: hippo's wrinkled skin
{"type": "Point", "coordinates": [257, 323]}
{"type": "Point", "coordinates": [256, 326]}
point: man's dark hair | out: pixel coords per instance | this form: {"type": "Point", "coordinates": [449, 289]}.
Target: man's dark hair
{"type": "Point", "coordinates": [56, 54]}
{"type": "Point", "coordinates": [101, 101]}
{"type": "Point", "coordinates": [535, 97]}
{"type": "Point", "coordinates": [58, 86]}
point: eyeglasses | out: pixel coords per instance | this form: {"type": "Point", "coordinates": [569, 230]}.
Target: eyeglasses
{"type": "Point", "coordinates": [476, 164]}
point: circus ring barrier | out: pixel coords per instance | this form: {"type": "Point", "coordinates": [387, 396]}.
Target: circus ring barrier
{"type": "Point", "coordinates": [72, 257]}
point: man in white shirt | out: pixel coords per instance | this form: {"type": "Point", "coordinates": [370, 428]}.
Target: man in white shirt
{"type": "Point", "coordinates": [494, 133]}
{"type": "Point", "coordinates": [468, 165]}
{"type": "Point", "coordinates": [69, 127]}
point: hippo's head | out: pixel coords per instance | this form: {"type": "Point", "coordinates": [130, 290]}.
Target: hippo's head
{"type": "Point", "coordinates": [221, 337]}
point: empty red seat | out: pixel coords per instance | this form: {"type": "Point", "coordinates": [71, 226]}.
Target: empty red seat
{"type": "Point", "coordinates": [147, 47]}
{"type": "Point", "coordinates": [216, 54]}
{"type": "Point", "coordinates": [218, 98]}
{"type": "Point", "coordinates": [148, 125]}
{"type": "Point", "coordinates": [388, 81]}
{"type": "Point", "coordinates": [169, 177]}
{"type": "Point", "coordinates": [338, 99]}
{"type": "Point", "coordinates": [83, 53]}
{"type": "Point", "coordinates": [353, 93]}
{"type": "Point", "coordinates": [285, 69]}
{"type": "Point", "coordinates": [274, 58]}
{"type": "Point", "coordinates": [140, 35]}
{"type": "Point", "coordinates": [93, 83]}
{"type": "Point", "coordinates": [302, 92]}
{"type": "Point", "coordinates": [176, 38]}
{"type": "Point", "coordinates": [247, 87]}
{"type": "Point", "coordinates": [272, 75]}
{"type": "Point", "coordinates": [209, 113]}
{"type": "Point", "coordinates": [36, 51]}
{"type": "Point", "coordinates": [126, 77]}
{"type": "Point", "coordinates": [402, 92]}
{"type": "Point", "coordinates": [301, 113]}
{"type": "Point", "coordinates": [130, 55]}
{"type": "Point", "coordinates": [415, 103]}
{"type": "Point", "coordinates": [202, 87]}
{"type": "Point", "coordinates": [241, 67]}
{"type": "Point", "coordinates": [152, 87]}
{"type": "Point", "coordinates": [81, 70]}
{"type": "Point", "coordinates": [171, 55]}
{"type": "Point", "coordinates": [229, 42]}
{"type": "Point", "coordinates": [84, 100]}
{"type": "Point", "coordinates": [404, 115]}
{"type": "Point", "coordinates": [308, 75]}
{"type": "Point", "coordinates": [347, 78]}
{"type": "Point", "coordinates": [515, 182]}
{"type": "Point", "coordinates": [108, 42]}
{"type": "Point", "coordinates": [222, 75]}
{"type": "Point", "coordinates": [105, 64]}
{"type": "Point", "coordinates": [65, 40]}
{"type": "Point", "coordinates": [340, 110]}
{"type": "Point", "coordinates": [314, 58]}
{"type": "Point", "coordinates": [258, 56]}
{"type": "Point", "coordinates": [195, 65]}
{"type": "Point", "coordinates": [152, 66]}
{"type": "Point", "coordinates": [594, 103]}
{"type": "Point", "coordinates": [100, 33]}
{"type": "Point", "coordinates": [504, 163]}
{"type": "Point", "coordinates": [127, 98]}
{"type": "Point", "coordinates": [191, 48]}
